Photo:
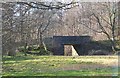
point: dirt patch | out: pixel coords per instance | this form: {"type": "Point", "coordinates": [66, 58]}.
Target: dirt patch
{"type": "Point", "coordinates": [83, 66]}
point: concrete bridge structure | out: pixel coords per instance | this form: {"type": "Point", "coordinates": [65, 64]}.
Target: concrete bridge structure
{"type": "Point", "coordinates": [70, 45]}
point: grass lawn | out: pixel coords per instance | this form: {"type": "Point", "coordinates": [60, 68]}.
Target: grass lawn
{"type": "Point", "coordinates": [60, 66]}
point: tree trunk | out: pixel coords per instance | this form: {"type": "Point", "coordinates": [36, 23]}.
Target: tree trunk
{"type": "Point", "coordinates": [25, 49]}
{"type": "Point", "coordinates": [11, 53]}
{"type": "Point", "coordinates": [11, 48]}
{"type": "Point", "coordinates": [113, 45]}
{"type": "Point", "coordinates": [41, 41]}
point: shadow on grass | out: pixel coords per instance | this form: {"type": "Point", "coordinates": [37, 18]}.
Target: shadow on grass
{"type": "Point", "coordinates": [17, 58]}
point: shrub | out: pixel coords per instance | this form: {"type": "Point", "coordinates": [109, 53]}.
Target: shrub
{"type": "Point", "coordinates": [117, 53]}
{"type": "Point", "coordinates": [98, 52]}
{"type": "Point", "coordinates": [35, 51]}
{"type": "Point", "coordinates": [118, 45]}
{"type": "Point", "coordinates": [45, 52]}
{"type": "Point", "coordinates": [30, 48]}
{"type": "Point", "coordinates": [21, 49]}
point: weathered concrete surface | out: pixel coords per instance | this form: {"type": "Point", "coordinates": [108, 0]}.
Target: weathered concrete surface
{"type": "Point", "coordinates": [75, 41]}
{"type": "Point", "coordinates": [83, 45]}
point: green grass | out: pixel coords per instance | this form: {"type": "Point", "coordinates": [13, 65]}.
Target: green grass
{"type": "Point", "coordinates": [59, 66]}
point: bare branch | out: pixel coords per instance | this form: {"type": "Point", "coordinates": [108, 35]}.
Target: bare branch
{"type": "Point", "coordinates": [43, 6]}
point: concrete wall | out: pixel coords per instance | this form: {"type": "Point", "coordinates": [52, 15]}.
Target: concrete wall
{"type": "Point", "coordinates": [75, 41]}
{"type": "Point", "coordinates": [81, 44]}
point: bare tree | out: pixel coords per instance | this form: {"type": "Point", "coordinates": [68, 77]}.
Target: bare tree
{"type": "Point", "coordinates": [7, 28]}
{"type": "Point", "coordinates": [105, 15]}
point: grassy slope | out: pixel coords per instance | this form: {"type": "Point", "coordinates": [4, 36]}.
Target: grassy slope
{"type": "Point", "coordinates": [59, 66]}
